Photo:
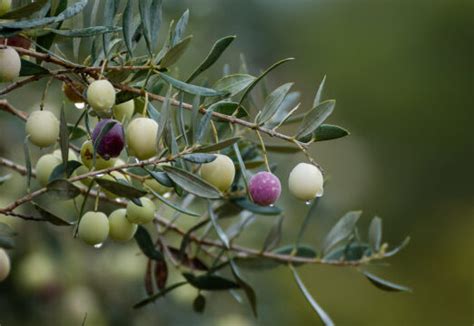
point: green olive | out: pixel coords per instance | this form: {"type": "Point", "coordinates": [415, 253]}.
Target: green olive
{"type": "Point", "coordinates": [141, 214]}
{"type": "Point", "coordinates": [101, 96]}
{"type": "Point", "coordinates": [10, 63]}
{"type": "Point", "coordinates": [220, 172]}
{"type": "Point", "coordinates": [306, 181]}
{"type": "Point", "coordinates": [42, 128]}
{"type": "Point", "coordinates": [93, 228]}
{"type": "Point", "coordinates": [71, 155]}
{"type": "Point", "coordinates": [4, 265]}
{"type": "Point", "coordinates": [45, 166]}
{"type": "Point", "coordinates": [124, 111]}
{"type": "Point", "coordinates": [120, 228]}
{"type": "Point", "coordinates": [141, 138]}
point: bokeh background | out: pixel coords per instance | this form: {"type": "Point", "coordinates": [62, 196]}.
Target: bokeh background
{"type": "Point", "coordinates": [403, 75]}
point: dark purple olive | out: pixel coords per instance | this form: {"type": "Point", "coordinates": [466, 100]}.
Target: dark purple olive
{"type": "Point", "coordinates": [112, 142]}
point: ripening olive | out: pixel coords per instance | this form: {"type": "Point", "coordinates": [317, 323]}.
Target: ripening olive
{"type": "Point", "coordinates": [45, 166]}
{"type": "Point", "coordinates": [124, 111]}
{"type": "Point", "coordinates": [264, 188]}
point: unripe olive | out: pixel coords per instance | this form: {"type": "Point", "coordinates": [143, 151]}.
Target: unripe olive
{"type": "Point", "coordinates": [264, 188]}
{"type": "Point", "coordinates": [124, 111]}
{"type": "Point", "coordinates": [5, 6]}
{"type": "Point", "coordinates": [114, 176]}
{"type": "Point", "coordinates": [4, 265]}
{"type": "Point", "coordinates": [220, 172]}
{"type": "Point", "coordinates": [306, 181]}
{"type": "Point", "coordinates": [71, 156]}
{"type": "Point", "coordinates": [101, 96]}
{"type": "Point", "coordinates": [45, 166]}
{"type": "Point", "coordinates": [112, 142]}
{"type": "Point", "coordinates": [141, 214]}
{"type": "Point", "coordinates": [93, 228]}
{"type": "Point", "coordinates": [43, 128]}
{"type": "Point", "coordinates": [87, 157]}
{"type": "Point", "coordinates": [141, 138]}
{"type": "Point", "coordinates": [120, 228]}
{"type": "Point", "coordinates": [83, 170]}
{"type": "Point", "coordinates": [73, 92]}
{"type": "Point", "coordinates": [10, 64]}
{"type": "Point", "coordinates": [156, 186]}
{"type": "Point", "coordinates": [17, 41]}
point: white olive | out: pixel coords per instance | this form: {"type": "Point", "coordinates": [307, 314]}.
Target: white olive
{"type": "Point", "coordinates": [4, 265]}
{"type": "Point", "coordinates": [124, 111]}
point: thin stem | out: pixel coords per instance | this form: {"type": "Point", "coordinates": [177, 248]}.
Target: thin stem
{"type": "Point", "coordinates": [264, 150]}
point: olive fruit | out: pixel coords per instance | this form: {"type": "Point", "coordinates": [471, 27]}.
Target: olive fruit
{"type": "Point", "coordinates": [42, 128]}
{"type": "Point", "coordinates": [71, 155]}
{"type": "Point", "coordinates": [87, 157]}
{"type": "Point", "coordinates": [264, 188]}
{"type": "Point", "coordinates": [73, 92]}
{"type": "Point", "coordinates": [141, 214]}
{"type": "Point", "coordinates": [141, 138]}
{"type": "Point", "coordinates": [10, 64]}
{"type": "Point", "coordinates": [4, 265]}
{"type": "Point", "coordinates": [124, 111]}
{"type": "Point", "coordinates": [101, 96]}
{"type": "Point", "coordinates": [120, 228]}
{"type": "Point", "coordinates": [114, 176]}
{"type": "Point", "coordinates": [306, 181]}
{"type": "Point", "coordinates": [17, 41]}
{"type": "Point", "coordinates": [112, 142]}
{"type": "Point", "coordinates": [93, 228]}
{"type": "Point", "coordinates": [5, 6]}
{"type": "Point", "coordinates": [220, 172]}
{"type": "Point", "coordinates": [45, 166]}
{"type": "Point", "coordinates": [81, 171]}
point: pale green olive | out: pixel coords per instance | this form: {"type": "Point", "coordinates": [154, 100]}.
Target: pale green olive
{"type": "Point", "coordinates": [113, 176]}
{"type": "Point", "coordinates": [10, 63]}
{"type": "Point", "coordinates": [87, 157]}
{"type": "Point", "coordinates": [4, 265]}
{"type": "Point", "coordinates": [45, 166]}
{"type": "Point", "coordinates": [83, 170]}
{"type": "Point", "coordinates": [156, 186]}
{"type": "Point", "coordinates": [42, 128]}
{"type": "Point", "coordinates": [124, 111]}
{"type": "Point", "coordinates": [141, 138]}
{"type": "Point", "coordinates": [141, 214]}
{"type": "Point", "coordinates": [120, 228]}
{"type": "Point", "coordinates": [71, 155]}
{"type": "Point", "coordinates": [101, 96]}
{"type": "Point", "coordinates": [220, 172]}
{"type": "Point", "coordinates": [93, 228]}
{"type": "Point", "coordinates": [306, 181]}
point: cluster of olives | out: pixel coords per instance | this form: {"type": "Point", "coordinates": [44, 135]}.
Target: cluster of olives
{"type": "Point", "coordinates": [305, 180]}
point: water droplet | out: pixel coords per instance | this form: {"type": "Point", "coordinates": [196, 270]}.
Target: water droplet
{"type": "Point", "coordinates": [272, 205]}
{"type": "Point", "coordinates": [99, 245]}
{"type": "Point", "coordinates": [80, 105]}
{"type": "Point", "coordinates": [308, 202]}
{"type": "Point", "coordinates": [167, 195]}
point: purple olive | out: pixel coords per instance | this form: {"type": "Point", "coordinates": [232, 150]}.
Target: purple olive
{"type": "Point", "coordinates": [112, 142]}
{"type": "Point", "coordinates": [264, 188]}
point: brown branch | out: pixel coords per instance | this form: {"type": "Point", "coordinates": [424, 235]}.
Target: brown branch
{"type": "Point", "coordinates": [93, 71]}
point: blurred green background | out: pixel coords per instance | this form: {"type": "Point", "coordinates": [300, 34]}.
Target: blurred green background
{"type": "Point", "coordinates": [403, 75]}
